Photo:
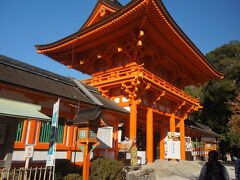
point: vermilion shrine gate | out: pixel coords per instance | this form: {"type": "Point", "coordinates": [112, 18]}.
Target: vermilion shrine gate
{"type": "Point", "coordinates": [139, 57]}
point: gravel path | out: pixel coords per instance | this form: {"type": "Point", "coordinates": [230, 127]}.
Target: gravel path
{"type": "Point", "coordinates": [183, 170]}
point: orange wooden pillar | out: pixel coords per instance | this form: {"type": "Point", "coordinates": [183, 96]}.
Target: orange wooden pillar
{"type": "Point", "coordinates": [70, 141]}
{"type": "Point", "coordinates": [172, 123]}
{"type": "Point", "coordinates": [86, 163]}
{"type": "Point", "coordinates": [32, 131]}
{"type": "Point", "coordinates": [133, 120]}
{"type": "Point", "coordinates": [182, 139]}
{"type": "Point", "coordinates": [39, 124]}
{"type": "Point", "coordinates": [149, 134]}
{"type": "Point", "coordinates": [162, 136]}
{"type": "Point", "coordinates": [24, 132]}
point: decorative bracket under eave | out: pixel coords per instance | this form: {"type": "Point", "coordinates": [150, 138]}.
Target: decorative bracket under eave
{"type": "Point", "coordinates": [179, 107]}
{"type": "Point", "coordinates": [136, 89]}
{"type": "Point", "coordinates": [187, 112]}
{"type": "Point", "coordinates": [159, 97]}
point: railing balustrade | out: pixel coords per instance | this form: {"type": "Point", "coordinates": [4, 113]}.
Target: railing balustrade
{"type": "Point", "coordinates": [42, 173]}
{"type": "Point", "coordinates": [132, 70]}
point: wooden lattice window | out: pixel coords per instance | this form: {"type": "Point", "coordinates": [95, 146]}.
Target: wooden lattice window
{"type": "Point", "coordinates": [45, 132]}
{"type": "Point", "coordinates": [60, 131]}
{"type": "Point", "coordinates": [83, 133]}
{"type": "Point", "coordinates": [92, 134]}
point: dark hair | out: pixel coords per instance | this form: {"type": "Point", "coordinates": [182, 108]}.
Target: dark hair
{"type": "Point", "coordinates": [214, 168]}
{"type": "Point", "coordinates": [212, 156]}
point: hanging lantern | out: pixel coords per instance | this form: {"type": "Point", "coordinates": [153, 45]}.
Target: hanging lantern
{"type": "Point", "coordinates": [139, 43]}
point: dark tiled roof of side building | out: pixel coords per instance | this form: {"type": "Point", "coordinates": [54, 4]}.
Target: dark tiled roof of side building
{"type": "Point", "coordinates": [24, 75]}
{"type": "Point", "coordinates": [201, 127]}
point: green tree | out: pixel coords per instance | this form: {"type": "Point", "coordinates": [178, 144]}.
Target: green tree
{"type": "Point", "coordinates": [234, 121]}
{"type": "Point", "coordinates": [216, 93]}
{"type": "Point", "coordinates": [226, 59]}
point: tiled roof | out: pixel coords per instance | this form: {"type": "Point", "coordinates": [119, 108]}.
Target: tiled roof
{"type": "Point", "coordinates": [201, 127]}
{"type": "Point", "coordinates": [24, 75]}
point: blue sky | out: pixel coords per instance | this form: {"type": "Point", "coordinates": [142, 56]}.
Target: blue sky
{"type": "Point", "coordinates": [23, 24]}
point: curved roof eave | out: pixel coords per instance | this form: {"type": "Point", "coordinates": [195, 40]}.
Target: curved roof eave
{"type": "Point", "coordinates": [126, 8]}
{"type": "Point", "coordinates": [186, 38]}
{"type": "Point", "coordinates": [82, 31]}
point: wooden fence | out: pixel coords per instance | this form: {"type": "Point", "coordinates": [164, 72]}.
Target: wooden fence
{"type": "Point", "coordinates": [42, 173]}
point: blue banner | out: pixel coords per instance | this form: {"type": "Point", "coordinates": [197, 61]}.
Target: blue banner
{"type": "Point", "coordinates": [53, 137]}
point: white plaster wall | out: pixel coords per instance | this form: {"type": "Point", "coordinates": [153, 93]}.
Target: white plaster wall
{"type": "Point", "coordinates": [18, 156]}
{"type": "Point", "coordinates": [42, 155]}
{"type": "Point", "coordinates": [61, 155]}
{"type": "Point", "coordinates": [78, 156]}
{"type": "Point", "coordinates": [38, 155]}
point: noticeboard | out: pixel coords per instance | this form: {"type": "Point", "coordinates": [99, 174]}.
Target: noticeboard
{"type": "Point", "coordinates": [29, 149]}
{"type": "Point", "coordinates": [173, 145]}
{"type": "Point", "coordinates": [105, 137]}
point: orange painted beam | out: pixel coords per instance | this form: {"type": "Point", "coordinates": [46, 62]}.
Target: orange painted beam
{"type": "Point", "coordinates": [182, 139]}
{"type": "Point", "coordinates": [133, 120]}
{"type": "Point", "coordinates": [19, 145]}
{"type": "Point", "coordinates": [149, 147]}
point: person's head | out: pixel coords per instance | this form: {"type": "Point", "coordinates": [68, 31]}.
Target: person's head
{"type": "Point", "coordinates": [212, 156]}
{"type": "Point", "coordinates": [238, 154]}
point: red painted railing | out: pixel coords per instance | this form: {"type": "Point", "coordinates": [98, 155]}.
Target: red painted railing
{"type": "Point", "coordinates": [122, 74]}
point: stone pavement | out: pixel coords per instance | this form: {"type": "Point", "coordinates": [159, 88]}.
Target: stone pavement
{"type": "Point", "coordinates": [183, 170]}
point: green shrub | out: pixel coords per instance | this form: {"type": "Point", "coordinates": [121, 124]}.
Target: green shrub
{"type": "Point", "coordinates": [106, 169]}
{"type": "Point", "coordinates": [73, 177]}
{"type": "Point", "coordinates": [65, 167]}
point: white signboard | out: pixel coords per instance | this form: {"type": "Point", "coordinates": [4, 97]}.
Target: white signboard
{"type": "Point", "coordinates": [173, 145]}
{"type": "Point", "coordinates": [29, 148]}
{"type": "Point", "coordinates": [173, 150]}
{"type": "Point", "coordinates": [188, 144]}
{"type": "Point", "coordinates": [105, 137]}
